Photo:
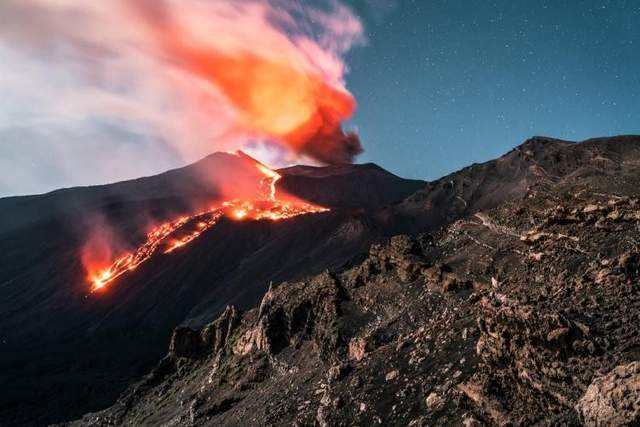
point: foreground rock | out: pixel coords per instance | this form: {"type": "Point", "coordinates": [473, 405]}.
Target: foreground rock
{"type": "Point", "coordinates": [614, 399]}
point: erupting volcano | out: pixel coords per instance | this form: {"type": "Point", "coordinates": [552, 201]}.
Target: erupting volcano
{"type": "Point", "coordinates": [170, 236]}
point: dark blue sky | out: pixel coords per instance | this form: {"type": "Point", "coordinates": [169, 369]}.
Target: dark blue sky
{"type": "Point", "coordinates": [445, 83]}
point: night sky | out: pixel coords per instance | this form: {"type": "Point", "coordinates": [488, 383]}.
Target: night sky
{"type": "Point", "coordinates": [445, 83]}
{"type": "Point", "coordinates": [440, 84]}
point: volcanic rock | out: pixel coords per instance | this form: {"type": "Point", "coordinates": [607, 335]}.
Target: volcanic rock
{"type": "Point", "coordinates": [357, 349]}
{"type": "Point", "coordinates": [613, 399]}
{"type": "Point", "coordinates": [216, 334]}
{"type": "Point", "coordinates": [185, 342]}
{"type": "Point", "coordinates": [337, 372]}
{"type": "Point", "coordinates": [392, 375]}
{"type": "Point", "coordinates": [434, 402]}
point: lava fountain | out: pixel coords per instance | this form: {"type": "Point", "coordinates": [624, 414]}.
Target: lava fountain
{"type": "Point", "coordinates": [174, 235]}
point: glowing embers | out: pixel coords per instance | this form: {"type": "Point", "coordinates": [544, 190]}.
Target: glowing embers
{"type": "Point", "coordinates": [101, 279]}
{"type": "Point", "coordinates": [186, 236]}
{"type": "Point", "coordinates": [267, 209]}
{"type": "Point", "coordinates": [164, 238]}
{"type": "Point", "coordinates": [239, 213]}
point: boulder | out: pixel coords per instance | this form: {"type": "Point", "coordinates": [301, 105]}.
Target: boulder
{"type": "Point", "coordinates": [392, 375]}
{"type": "Point", "coordinates": [357, 349]}
{"type": "Point", "coordinates": [613, 399]}
{"type": "Point", "coordinates": [434, 402]}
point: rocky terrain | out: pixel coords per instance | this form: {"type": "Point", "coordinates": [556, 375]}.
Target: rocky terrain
{"type": "Point", "coordinates": [511, 296]}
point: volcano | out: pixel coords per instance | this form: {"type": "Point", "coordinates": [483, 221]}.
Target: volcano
{"type": "Point", "coordinates": [373, 280]}
{"type": "Point", "coordinates": [68, 350]}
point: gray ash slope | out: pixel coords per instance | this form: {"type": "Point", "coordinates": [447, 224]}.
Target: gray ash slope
{"type": "Point", "coordinates": [63, 353]}
{"type": "Point", "coordinates": [515, 300]}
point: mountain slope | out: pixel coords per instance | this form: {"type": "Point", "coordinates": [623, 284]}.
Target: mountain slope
{"type": "Point", "coordinates": [539, 161]}
{"type": "Point", "coordinates": [65, 351]}
{"type": "Point", "coordinates": [523, 311]}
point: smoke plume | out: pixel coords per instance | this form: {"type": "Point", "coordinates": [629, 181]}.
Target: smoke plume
{"type": "Point", "coordinates": [189, 76]}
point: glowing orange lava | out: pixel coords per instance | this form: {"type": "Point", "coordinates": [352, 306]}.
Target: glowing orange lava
{"type": "Point", "coordinates": [171, 236]}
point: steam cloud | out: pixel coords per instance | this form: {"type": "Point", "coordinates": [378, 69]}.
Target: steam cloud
{"type": "Point", "coordinates": [170, 78]}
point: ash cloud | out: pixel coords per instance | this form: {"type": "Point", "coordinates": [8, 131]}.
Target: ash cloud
{"type": "Point", "coordinates": [157, 69]}
{"type": "Point", "coordinates": [337, 148]}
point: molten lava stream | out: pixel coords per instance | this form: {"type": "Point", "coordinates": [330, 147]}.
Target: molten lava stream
{"type": "Point", "coordinates": [171, 236]}
{"type": "Point", "coordinates": [157, 240]}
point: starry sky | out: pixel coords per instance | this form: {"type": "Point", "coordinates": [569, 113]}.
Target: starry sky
{"type": "Point", "coordinates": [445, 83]}
{"type": "Point", "coordinates": [440, 84]}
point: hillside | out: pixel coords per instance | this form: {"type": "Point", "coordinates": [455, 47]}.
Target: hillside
{"type": "Point", "coordinates": [66, 351]}
{"type": "Point", "coordinates": [515, 300]}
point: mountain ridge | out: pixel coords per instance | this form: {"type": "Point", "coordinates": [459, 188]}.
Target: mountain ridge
{"type": "Point", "coordinates": [234, 264]}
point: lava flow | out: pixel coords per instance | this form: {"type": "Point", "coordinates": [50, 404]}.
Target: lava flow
{"type": "Point", "coordinates": [171, 236]}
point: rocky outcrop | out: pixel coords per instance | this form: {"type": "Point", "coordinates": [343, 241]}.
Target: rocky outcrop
{"type": "Point", "coordinates": [613, 399]}
{"type": "Point", "coordinates": [293, 313]}
{"type": "Point", "coordinates": [403, 256]}
{"type": "Point", "coordinates": [524, 352]}
{"type": "Point", "coordinates": [216, 334]}
{"type": "Point", "coordinates": [443, 277]}
{"type": "Point", "coordinates": [186, 342]}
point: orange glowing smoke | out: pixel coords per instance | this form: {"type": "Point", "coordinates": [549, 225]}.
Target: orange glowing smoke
{"type": "Point", "coordinates": [278, 92]}
{"type": "Point", "coordinates": [171, 236]}
{"type": "Point", "coordinates": [277, 100]}
{"type": "Point", "coordinates": [97, 255]}
{"type": "Point", "coordinates": [193, 76]}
